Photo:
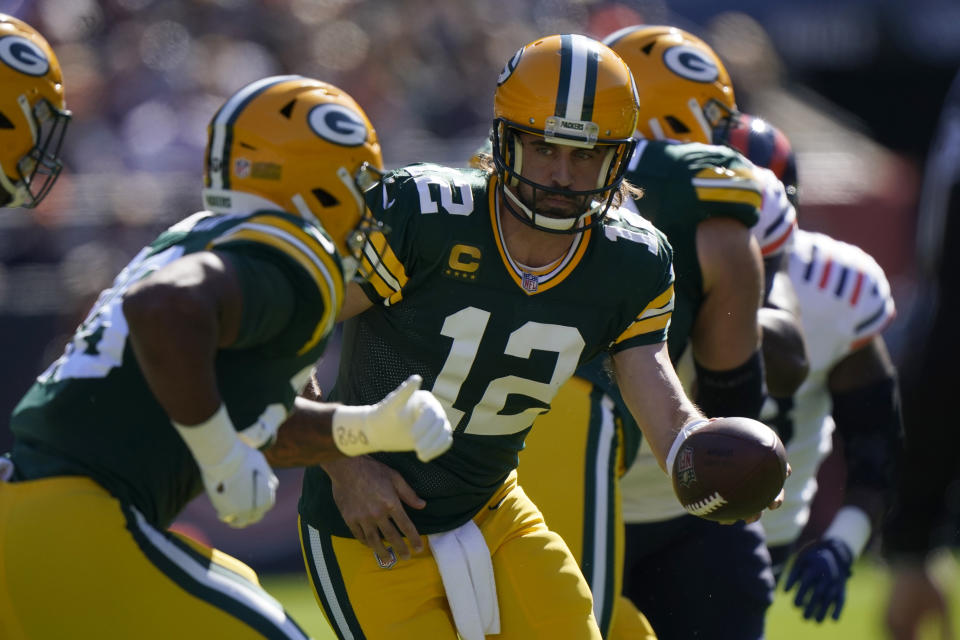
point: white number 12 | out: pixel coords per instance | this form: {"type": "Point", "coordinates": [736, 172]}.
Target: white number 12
{"type": "Point", "coordinates": [467, 327]}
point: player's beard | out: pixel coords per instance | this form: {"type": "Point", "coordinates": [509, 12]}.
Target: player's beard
{"type": "Point", "coordinates": [551, 205]}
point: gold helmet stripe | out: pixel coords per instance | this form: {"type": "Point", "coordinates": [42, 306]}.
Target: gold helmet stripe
{"type": "Point", "coordinates": [218, 156]}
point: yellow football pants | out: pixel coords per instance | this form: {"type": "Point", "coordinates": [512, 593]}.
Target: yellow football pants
{"type": "Point", "coordinates": [540, 589]}
{"type": "Point", "coordinates": [76, 563]}
{"type": "Point", "coordinates": [570, 468]}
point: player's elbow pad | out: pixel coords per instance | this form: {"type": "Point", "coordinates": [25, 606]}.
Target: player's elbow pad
{"type": "Point", "coordinates": [734, 392]}
{"type": "Point", "coordinates": [868, 419]}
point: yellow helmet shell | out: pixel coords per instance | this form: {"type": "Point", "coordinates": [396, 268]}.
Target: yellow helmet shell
{"type": "Point", "coordinates": [294, 143]}
{"type": "Point", "coordinates": [685, 91]}
{"type": "Point", "coordinates": [569, 88]}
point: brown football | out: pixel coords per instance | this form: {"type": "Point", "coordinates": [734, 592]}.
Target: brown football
{"type": "Point", "coordinates": [729, 469]}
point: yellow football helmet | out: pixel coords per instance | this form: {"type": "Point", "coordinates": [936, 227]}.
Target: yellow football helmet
{"type": "Point", "coordinates": [298, 145]}
{"type": "Point", "coordinates": [571, 90]}
{"type": "Point", "coordinates": [685, 91]}
{"type": "Point", "coordinates": [33, 117]}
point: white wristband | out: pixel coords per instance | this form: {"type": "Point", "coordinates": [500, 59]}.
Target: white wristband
{"type": "Point", "coordinates": [211, 440]}
{"type": "Point", "coordinates": [685, 432]}
{"type": "Point", "coordinates": [349, 429]}
{"type": "Point", "coordinates": [852, 526]}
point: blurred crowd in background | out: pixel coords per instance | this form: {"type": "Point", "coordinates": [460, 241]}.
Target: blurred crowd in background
{"type": "Point", "coordinates": [855, 84]}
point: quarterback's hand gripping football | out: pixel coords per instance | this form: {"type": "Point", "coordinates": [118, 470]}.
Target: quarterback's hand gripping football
{"type": "Point", "coordinates": [821, 570]}
{"type": "Point", "coordinates": [238, 478]}
{"type": "Point", "coordinates": [408, 419]}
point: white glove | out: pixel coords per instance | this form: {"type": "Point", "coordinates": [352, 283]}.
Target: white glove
{"type": "Point", "coordinates": [407, 419]}
{"type": "Point", "coordinates": [238, 478]}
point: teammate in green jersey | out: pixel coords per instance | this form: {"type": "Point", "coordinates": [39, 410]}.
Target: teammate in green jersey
{"type": "Point", "coordinates": [494, 286]}
{"type": "Point", "coordinates": [183, 375]}
{"type": "Point", "coordinates": [722, 215]}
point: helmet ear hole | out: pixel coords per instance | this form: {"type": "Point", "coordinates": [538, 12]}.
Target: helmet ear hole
{"type": "Point", "coordinates": [677, 126]}
{"type": "Point", "coordinates": [5, 122]}
{"type": "Point", "coordinates": [325, 198]}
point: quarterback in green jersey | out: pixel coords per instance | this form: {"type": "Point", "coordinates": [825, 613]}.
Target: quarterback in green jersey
{"type": "Point", "coordinates": [184, 377]}
{"type": "Point", "coordinates": [494, 286]}
{"type": "Point", "coordinates": [708, 200]}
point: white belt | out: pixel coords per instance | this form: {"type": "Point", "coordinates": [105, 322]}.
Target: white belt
{"type": "Point", "coordinates": [466, 569]}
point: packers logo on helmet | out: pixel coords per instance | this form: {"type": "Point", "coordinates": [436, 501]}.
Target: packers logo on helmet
{"type": "Point", "coordinates": [690, 63]}
{"type": "Point", "coordinates": [24, 56]}
{"type": "Point", "coordinates": [570, 90]}
{"type": "Point", "coordinates": [509, 67]}
{"type": "Point", "coordinates": [33, 116]}
{"type": "Point", "coordinates": [338, 124]}
{"type": "Point", "coordinates": [685, 91]}
{"type": "Point", "coordinates": [297, 145]}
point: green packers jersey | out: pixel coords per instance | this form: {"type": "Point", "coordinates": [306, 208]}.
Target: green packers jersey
{"type": "Point", "coordinates": [91, 412]}
{"type": "Point", "coordinates": [492, 340]}
{"type": "Point", "coordinates": [683, 185]}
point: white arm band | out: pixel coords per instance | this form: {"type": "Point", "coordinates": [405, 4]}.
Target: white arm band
{"type": "Point", "coordinates": [685, 432]}
{"type": "Point", "coordinates": [852, 526]}
{"type": "Point", "coordinates": [211, 440]}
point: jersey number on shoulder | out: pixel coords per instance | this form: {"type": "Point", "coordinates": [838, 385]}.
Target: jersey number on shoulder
{"type": "Point", "coordinates": [445, 188]}
{"type": "Point", "coordinates": [97, 346]}
{"type": "Point", "coordinates": [466, 328]}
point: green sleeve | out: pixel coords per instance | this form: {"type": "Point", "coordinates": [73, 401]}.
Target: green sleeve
{"type": "Point", "coordinates": [268, 295]}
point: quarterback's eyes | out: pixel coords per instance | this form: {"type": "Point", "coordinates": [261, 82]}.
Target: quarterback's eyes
{"type": "Point", "coordinates": [548, 149]}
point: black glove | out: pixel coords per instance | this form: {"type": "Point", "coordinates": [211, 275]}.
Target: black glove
{"type": "Point", "coordinates": [821, 569]}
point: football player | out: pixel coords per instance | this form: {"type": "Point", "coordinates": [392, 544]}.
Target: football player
{"type": "Point", "coordinates": [494, 286]}
{"type": "Point", "coordinates": [845, 304]}
{"type": "Point", "coordinates": [184, 373]}
{"type": "Point", "coordinates": [708, 200]}
{"type": "Point", "coordinates": [33, 115]}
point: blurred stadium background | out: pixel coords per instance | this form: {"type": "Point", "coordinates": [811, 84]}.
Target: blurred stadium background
{"type": "Point", "coordinates": [856, 84]}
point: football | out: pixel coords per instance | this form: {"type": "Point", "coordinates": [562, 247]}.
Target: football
{"type": "Point", "coordinates": [729, 469]}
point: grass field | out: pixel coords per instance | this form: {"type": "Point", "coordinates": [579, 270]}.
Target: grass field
{"type": "Point", "coordinates": [862, 617]}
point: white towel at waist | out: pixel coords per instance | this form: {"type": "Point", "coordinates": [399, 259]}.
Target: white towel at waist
{"type": "Point", "coordinates": [467, 572]}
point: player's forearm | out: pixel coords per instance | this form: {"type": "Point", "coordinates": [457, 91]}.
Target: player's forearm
{"type": "Point", "coordinates": [656, 398]}
{"type": "Point", "coordinates": [305, 437]}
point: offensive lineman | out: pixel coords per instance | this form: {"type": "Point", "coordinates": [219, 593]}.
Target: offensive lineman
{"type": "Point", "coordinates": [183, 371]}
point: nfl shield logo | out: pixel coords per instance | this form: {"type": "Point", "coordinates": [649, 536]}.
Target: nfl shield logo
{"type": "Point", "coordinates": [530, 281]}
{"type": "Point", "coordinates": [685, 473]}
{"type": "Point", "coordinates": [241, 168]}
